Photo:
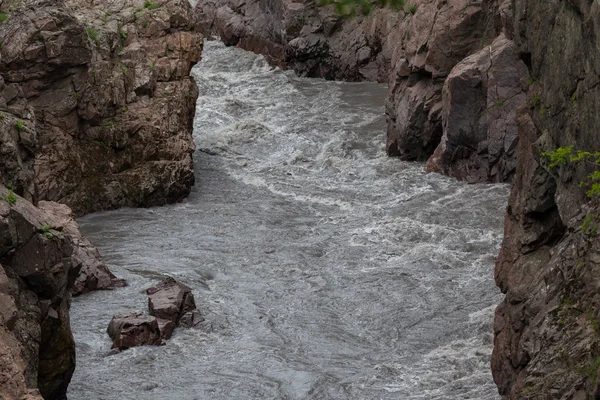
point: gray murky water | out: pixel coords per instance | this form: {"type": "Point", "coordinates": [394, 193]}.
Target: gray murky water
{"type": "Point", "coordinates": [328, 270]}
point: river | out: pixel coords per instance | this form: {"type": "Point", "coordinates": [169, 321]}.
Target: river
{"type": "Point", "coordinates": [326, 269]}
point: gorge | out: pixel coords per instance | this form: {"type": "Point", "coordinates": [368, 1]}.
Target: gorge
{"type": "Point", "coordinates": [325, 269]}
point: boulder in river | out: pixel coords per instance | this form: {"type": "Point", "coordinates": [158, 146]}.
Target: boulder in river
{"type": "Point", "coordinates": [134, 329]}
{"type": "Point", "coordinates": [170, 300]}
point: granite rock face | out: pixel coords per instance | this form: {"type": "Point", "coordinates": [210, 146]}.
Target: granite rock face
{"type": "Point", "coordinates": [93, 273]}
{"type": "Point", "coordinates": [546, 330]}
{"type": "Point", "coordinates": [104, 100]}
{"type": "Point", "coordinates": [37, 275]}
{"type": "Point", "coordinates": [479, 108]}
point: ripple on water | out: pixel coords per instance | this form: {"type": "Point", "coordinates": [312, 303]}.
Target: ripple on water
{"type": "Point", "coordinates": [326, 269]}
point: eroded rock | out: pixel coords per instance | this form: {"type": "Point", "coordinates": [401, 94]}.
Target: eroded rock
{"type": "Point", "coordinates": [170, 300]}
{"type": "Point", "coordinates": [37, 275]}
{"type": "Point", "coordinates": [93, 273]}
{"type": "Point", "coordinates": [107, 119]}
{"type": "Point", "coordinates": [170, 304]}
{"type": "Point", "coordinates": [134, 329]}
{"type": "Point", "coordinates": [481, 97]}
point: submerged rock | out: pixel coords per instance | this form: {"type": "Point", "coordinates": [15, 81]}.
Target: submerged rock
{"type": "Point", "coordinates": [134, 329]}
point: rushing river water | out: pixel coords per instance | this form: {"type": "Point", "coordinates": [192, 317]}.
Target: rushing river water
{"type": "Point", "coordinates": [326, 269]}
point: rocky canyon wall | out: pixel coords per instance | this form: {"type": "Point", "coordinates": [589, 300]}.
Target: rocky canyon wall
{"type": "Point", "coordinates": [421, 53]}
{"type": "Point", "coordinates": [96, 110]}
{"type": "Point", "coordinates": [547, 340]}
{"type": "Point", "coordinates": [480, 89]}
{"type": "Point", "coordinates": [98, 101]}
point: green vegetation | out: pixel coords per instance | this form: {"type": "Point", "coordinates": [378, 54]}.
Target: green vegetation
{"type": "Point", "coordinates": [567, 155]}
{"type": "Point", "coordinates": [145, 23]}
{"type": "Point", "coordinates": [45, 230]}
{"type": "Point", "coordinates": [123, 34]}
{"type": "Point", "coordinates": [124, 69]}
{"type": "Point", "coordinates": [150, 5]}
{"type": "Point", "coordinates": [20, 125]}
{"type": "Point", "coordinates": [499, 102]}
{"type": "Point", "coordinates": [10, 198]}
{"type": "Point", "coordinates": [537, 100]}
{"type": "Point", "coordinates": [590, 369]}
{"type": "Point", "coordinates": [364, 7]}
{"type": "Point", "coordinates": [530, 81]}
{"type": "Point", "coordinates": [587, 221]}
{"type": "Point", "coordinates": [92, 33]}
{"type": "Point", "coordinates": [3, 17]}
{"type": "Point", "coordinates": [412, 9]}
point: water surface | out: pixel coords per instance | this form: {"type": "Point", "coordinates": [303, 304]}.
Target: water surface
{"type": "Point", "coordinates": [326, 269]}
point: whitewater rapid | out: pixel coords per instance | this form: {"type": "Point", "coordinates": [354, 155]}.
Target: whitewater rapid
{"type": "Point", "coordinates": [327, 270]}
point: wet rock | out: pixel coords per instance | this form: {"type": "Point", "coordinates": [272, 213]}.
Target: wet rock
{"type": "Point", "coordinates": [134, 329]}
{"type": "Point", "coordinates": [170, 300]}
{"type": "Point", "coordinates": [191, 319]}
{"type": "Point", "coordinates": [93, 273]}
{"type": "Point", "coordinates": [481, 97]}
{"type": "Point", "coordinates": [166, 328]}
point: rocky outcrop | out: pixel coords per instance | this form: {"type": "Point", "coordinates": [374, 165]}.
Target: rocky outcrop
{"type": "Point", "coordinates": [170, 303]}
{"type": "Point", "coordinates": [37, 276]}
{"type": "Point", "coordinates": [97, 101]}
{"type": "Point", "coordinates": [93, 272]}
{"type": "Point", "coordinates": [300, 35]}
{"type": "Point", "coordinates": [480, 100]}
{"type": "Point", "coordinates": [415, 50]}
{"type": "Point", "coordinates": [546, 330]}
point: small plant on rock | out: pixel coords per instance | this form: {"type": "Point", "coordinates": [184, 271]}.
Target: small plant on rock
{"type": "Point", "coordinates": [412, 9]}
{"type": "Point", "coordinates": [20, 125]}
{"type": "Point", "coordinates": [45, 230]}
{"type": "Point", "coordinates": [150, 5]}
{"type": "Point", "coordinates": [568, 155]}
{"type": "Point", "coordinates": [92, 34]}
{"type": "Point", "coordinates": [3, 17]}
{"type": "Point", "coordinates": [10, 198]}
{"type": "Point", "coordinates": [365, 7]}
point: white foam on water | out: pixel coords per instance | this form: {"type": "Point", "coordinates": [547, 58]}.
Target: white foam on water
{"type": "Point", "coordinates": [325, 269]}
